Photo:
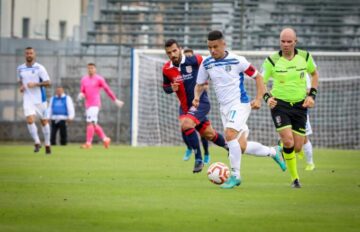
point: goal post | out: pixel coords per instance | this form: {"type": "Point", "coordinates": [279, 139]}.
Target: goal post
{"type": "Point", "coordinates": [335, 119]}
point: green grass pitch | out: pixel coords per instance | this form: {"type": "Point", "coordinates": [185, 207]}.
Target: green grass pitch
{"type": "Point", "coordinates": [152, 189]}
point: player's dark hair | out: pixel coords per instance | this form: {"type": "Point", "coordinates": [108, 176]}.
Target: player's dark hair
{"type": "Point", "coordinates": [28, 48]}
{"type": "Point", "coordinates": [215, 35]}
{"type": "Point", "coordinates": [91, 64]}
{"type": "Point", "coordinates": [170, 42]}
{"type": "Point", "coordinates": [188, 50]}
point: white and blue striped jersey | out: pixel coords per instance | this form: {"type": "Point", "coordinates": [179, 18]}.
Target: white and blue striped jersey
{"type": "Point", "coordinates": [36, 73]}
{"type": "Point", "coordinates": [227, 75]}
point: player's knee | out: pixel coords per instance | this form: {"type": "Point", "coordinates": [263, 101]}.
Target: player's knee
{"type": "Point", "coordinates": [29, 120]}
{"type": "Point", "coordinates": [185, 125]}
{"type": "Point", "coordinates": [230, 135]}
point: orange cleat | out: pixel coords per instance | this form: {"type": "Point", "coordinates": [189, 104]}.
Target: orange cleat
{"type": "Point", "coordinates": [86, 146]}
{"type": "Point", "coordinates": [106, 142]}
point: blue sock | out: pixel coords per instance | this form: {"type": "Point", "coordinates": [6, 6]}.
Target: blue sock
{"type": "Point", "coordinates": [193, 141]}
{"type": "Point", "coordinates": [205, 144]}
{"type": "Point", "coordinates": [185, 140]}
{"type": "Point", "coordinates": [220, 141]}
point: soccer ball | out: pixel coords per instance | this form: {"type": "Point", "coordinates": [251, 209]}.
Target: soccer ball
{"type": "Point", "coordinates": [218, 173]}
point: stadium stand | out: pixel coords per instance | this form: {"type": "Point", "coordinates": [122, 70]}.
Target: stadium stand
{"type": "Point", "coordinates": [248, 24]}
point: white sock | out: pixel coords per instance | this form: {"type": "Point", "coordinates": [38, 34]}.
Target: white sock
{"type": "Point", "coordinates": [46, 132]}
{"type": "Point", "coordinates": [257, 149]}
{"type": "Point", "coordinates": [308, 151]}
{"type": "Point", "coordinates": [235, 157]}
{"type": "Point", "coordinates": [34, 132]}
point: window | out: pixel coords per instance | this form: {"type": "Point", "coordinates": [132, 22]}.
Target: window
{"type": "Point", "coordinates": [62, 33]}
{"type": "Point", "coordinates": [25, 27]}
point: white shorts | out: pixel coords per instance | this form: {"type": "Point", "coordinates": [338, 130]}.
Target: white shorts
{"type": "Point", "coordinates": [92, 114]}
{"type": "Point", "coordinates": [40, 110]}
{"type": "Point", "coordinates": [308, 130]}
{"type": "Point", "coordinates": [235, 116]}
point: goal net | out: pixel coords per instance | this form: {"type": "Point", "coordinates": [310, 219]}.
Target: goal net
{"type": "Point", "coordinates": [335, 120]}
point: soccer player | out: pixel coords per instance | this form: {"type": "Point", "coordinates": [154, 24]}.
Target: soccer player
{"type": "Point", "coordinates": [33, 79]}
{"type": "Point", "coordinates": [307, 148]}
{"type": "Point", "coordinates": [61, 111]}
{"type": "Point", "coordinates": [226, 72]}
{"type": "Point", "coordinates": [179, 76]}
{"type": "Point", "coordinates": [90, 87]}
{"type": "Point", "coordinates": [288, 99]}
{"type": "Point", "coordinates": [189, 53]}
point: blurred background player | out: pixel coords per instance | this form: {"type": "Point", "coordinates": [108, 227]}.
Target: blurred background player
{"type": "Point", "coordinates": [179, 76]}
{"type": "Point", "coordinates": [289, 100]}
{"type": "Point", "coordinates": [33, 79]}
{"type": "Point", "coordinates": [224, 70]}
{"type": "Point", "coordinates": [90, 87]}
{"type": "Point", "coordinates": [61, 112]}
{"type": "Point", "coordinates": [307, 149]}
{"type": "Point", "coordinates": [189, 53]}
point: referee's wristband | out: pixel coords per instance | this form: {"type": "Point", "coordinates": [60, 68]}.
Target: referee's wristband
{"type": "Point", "coordinates": [312, 93]}
{"type": "Point", "coordinates": [266, 97]}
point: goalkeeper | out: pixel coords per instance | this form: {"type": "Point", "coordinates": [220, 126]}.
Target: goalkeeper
{"type": "Point", "coordinates": [179, 76]}
{"type": "Point", "coordinates": [288, 99]}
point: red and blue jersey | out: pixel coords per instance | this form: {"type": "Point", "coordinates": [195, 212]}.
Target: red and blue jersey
{"type": "Point", "coordinates": [185, 74]}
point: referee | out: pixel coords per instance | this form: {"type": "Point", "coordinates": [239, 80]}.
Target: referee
{"type": "Point", "coordinates": [288, 99]}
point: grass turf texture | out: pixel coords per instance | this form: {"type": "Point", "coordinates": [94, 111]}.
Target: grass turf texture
{"type": "Point", "coordinates": [152, 189]}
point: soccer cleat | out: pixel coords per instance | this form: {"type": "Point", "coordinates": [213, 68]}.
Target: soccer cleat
{"type": "Point", "coordinates": [86, 146]}
{"type": "Point", "coordinates": [231, 183]}
{"type": "Point", "coordinates": [310, 167]}
{"type": "Point", "coordinates": [47, 150]}
{"type": "Point", "coordinates": [279, 159]}
{"type": "Point", "coordinates": [37, 147]}
{"type": "Point", "coordinates": [206, 158]}
{"type": "Point", "coordinates": [106, 142]}
{"type": "Point", "coordinates": [296, 184]}
{"type": "Point", "coordinates": [198, 166]}
{"type": "Point", "coordinates": [187, 154]}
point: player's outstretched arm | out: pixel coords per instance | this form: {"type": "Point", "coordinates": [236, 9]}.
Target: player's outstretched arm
{"type": "Point", "coordinates": [198, 90]}
{"type": "Point", "coordinates": [260, 90]}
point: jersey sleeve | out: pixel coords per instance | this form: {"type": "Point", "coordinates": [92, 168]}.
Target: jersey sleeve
{"type": "Point", "coordinates": [82, 86]}
{"type": "Point", "coordinates": [311, 66]}
{"type": "Point", "coordinates": [199, 59]}
{"type": "Point", "coordinates": [247, 68]}
{"type": "Point", "coordinates": [266, 70]}
{"type": "Point", "coordinates": [43, 74]}
{"type": "Point", "coordinates": [107, 89]}
{"type": "Point", "coordinates": [166, 84]}
{"type": "Point", "coordinates": [203, 75]}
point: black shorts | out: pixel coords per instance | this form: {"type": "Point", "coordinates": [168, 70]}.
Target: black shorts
{"type": "Point", "coordinates": [289, 115]}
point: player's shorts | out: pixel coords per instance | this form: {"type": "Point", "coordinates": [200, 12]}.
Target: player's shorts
{"type": "Point", "coordinates": [235, 116]}
{"type": "Point", "coordinates": [198, 115]}
{"type": "Point", "coordinates": [92, 114]}
{"type": "Point", "coordinates": [40, 110]}
{"type": "Point", "coordinates": [289, 115]}
{"type": "Point", "coordinates": [308, 129]}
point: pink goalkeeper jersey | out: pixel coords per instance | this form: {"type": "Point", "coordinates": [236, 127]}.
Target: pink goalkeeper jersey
{"type": "Point", "coordinates": [91, 86]}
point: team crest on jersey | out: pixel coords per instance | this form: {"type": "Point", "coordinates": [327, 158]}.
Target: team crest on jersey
{"type": "Point", "coordinates": [227, 68]}
{"type": "Point", "coordinates": [188, 69]}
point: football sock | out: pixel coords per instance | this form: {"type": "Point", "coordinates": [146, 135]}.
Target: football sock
{"type": "Point", "coordinates": [257, 149]}
{"type": "Point", "coordinates": [235, 157]}
{"type": "Point", "coordinates": [46, 132]}
{"type": "Point", "coordinates": [308, 150]}
{"type": "Point", "coordinates": [290, 159]}
{"type": "Point", "coordinates": [89, 133]}
{"type": "Point", "coordinates": [219, 140]}
{"type": "Point", "coordinates": [193, 140]}
{"type": "Point", "coordinates": [99, 131]}
{"type": "Point", "coordinates": [205, 144]}
{"type": "Point", "coordinates": [34, 132]}
{"type": "Point", "coordinates": [185, 140]}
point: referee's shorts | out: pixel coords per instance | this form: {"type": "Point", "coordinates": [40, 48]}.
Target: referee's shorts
{"type": "Point", "coordinates": [290, 115]}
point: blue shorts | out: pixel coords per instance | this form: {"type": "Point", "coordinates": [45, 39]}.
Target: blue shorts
{"type": "Point", "coordinates": [198, 115]}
